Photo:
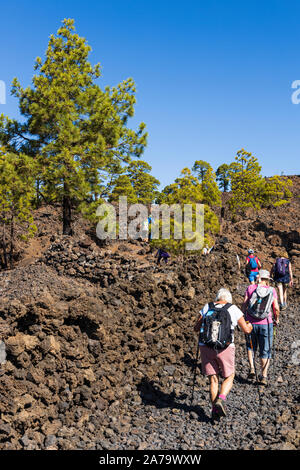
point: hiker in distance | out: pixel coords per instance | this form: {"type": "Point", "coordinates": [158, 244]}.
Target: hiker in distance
{"type": "Point", "coordinates": [282, 274]}
{"type": "Point", "coordinates": [253, 265]}
{"type": "Point", "coordinates": [162, 254]}
{"type": "Point", "coordinates": [151, 221]}
{"type": "Point", "coordinates": [145, 230]}
{"type": "Point", "coordinates": [260, 305]}
{"type": "Point", "coordinates": [215, 325]}
{"type": "Point", "coordinates": [207, 250]}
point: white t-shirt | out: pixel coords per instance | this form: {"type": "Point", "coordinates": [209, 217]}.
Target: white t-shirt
{"type": "Point", "coordinates": [234, 312]}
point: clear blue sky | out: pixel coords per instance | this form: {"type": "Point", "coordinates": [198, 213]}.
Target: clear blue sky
{"type": "Point", "coordinates": [212, 76]}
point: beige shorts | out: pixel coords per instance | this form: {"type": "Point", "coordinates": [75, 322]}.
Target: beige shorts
{"type": "Point", "coordinates": [214, 362]}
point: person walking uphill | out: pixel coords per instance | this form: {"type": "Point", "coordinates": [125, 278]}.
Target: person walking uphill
{"type": "Point", "coordinates": [216, 325]}
{"type": "Point", "coordinates": [253, 265]}
{"type": "Point", "coordinates": [162, 254]}
{"type": "Point", "coordinates": [283, 277]}
{"type": "Point", "coordinates": [259, 303]}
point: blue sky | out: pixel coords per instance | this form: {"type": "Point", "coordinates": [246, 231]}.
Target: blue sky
{"type": "Point", "coordinates": [212, 77]}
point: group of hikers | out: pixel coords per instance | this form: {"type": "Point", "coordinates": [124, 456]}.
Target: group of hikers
{"type": "Point", "coordinates": [281, 272]}
{"type": "Point", "coordinates": [257, 318]}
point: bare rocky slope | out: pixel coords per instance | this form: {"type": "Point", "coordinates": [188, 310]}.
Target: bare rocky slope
{"type": "Point", "coordinates": [100, 343]}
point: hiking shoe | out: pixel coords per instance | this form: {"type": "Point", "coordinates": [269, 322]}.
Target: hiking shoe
{"type": "Point", "coordinates": [283, 307]}
{"type": "Point", "coordinates": [220, 407]}
{"type": "Point", "coordinates": [215, 415]}
{"type": "Point", "coordinates": [251, 374]}
{"type": "Point", "coordinates": [263, 381]}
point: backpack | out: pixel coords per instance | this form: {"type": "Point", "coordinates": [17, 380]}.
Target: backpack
{"type": "Point", "coordinates": [260, 303]}
{"type": "Point", "coordinates": [252, 262]}
{"type": "Point", "coordinates": [162, 253]}
{"type": "Point", "coordinates": [281, 267]}
{"type": "Point", "coordinates": [216, 331]}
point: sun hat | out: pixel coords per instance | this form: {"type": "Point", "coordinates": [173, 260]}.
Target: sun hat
{"type": "Point", "coordinates": [264, 274]}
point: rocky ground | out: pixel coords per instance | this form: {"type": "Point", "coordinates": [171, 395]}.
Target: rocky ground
{"type": "Point", "coordinates": [264, 418]}
{"type": "Point", "coordinates": [99, 344]}
{"type": "Point", "coordinates": [91, 367]}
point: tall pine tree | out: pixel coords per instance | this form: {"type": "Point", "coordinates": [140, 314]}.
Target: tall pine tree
{"type": "Point", "coordinates": [144, 184]}
{"type": "Point", "coordinates": [74, 129]}
{"type": "Point", "coordinates": [250, 189]}
{"type": "Point", "coordinates": [223, 177]}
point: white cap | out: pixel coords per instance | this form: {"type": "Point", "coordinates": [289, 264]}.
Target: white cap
{"type": "Point", "coordinates": [264, 274]}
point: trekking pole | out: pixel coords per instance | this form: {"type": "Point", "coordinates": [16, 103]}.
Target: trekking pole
{"type": "Point", "coordinates": [253, 356]}
{"type": "Point", "coordinates": [275, 325]}
{"type": "Point", "coordinates": [195, 371]}
{"type": "Point", "coordinates": [273, 347]}
{"type": "Point", "coordinates": [255, 370]}
{"type": "Point", "coordinates": [267, 364]}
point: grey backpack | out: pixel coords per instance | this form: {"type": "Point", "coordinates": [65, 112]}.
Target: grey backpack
{"type": "Point", "coordinates": [260, 303]}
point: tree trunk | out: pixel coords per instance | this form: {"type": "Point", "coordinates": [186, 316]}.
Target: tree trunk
{"type": "Point", "coordinates": [12, 240]}
{"type": "Point", "coordinates": [4, 247]}
{"type": "Point", "coordinates": [38, 196]}
{"type": "Point", "coordinates": [67, 213]}
{"type": "Point", "coordinates": [222, 219]}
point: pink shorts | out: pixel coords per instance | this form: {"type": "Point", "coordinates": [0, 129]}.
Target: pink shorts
{"type": "Point", "coordinates": [214, 362]}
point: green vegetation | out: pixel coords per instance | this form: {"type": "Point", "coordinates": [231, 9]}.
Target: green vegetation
{"type": "Point", "coordinates": [123, 187]}
{"type": "Point", "coordinates": [190, 189]}
{"type": "Point", "coordinates": [76, 131]}
{"type": "Point", "coordinates": [74, 148]}
{"type": "Point", "coordinates": [144, 184]}
{"type": "Point", "coordinates": [16, 195]}
{"type": "Point", "coordinates": [223, 177]}
{"type": "Point", "coordinates": [250, 189]}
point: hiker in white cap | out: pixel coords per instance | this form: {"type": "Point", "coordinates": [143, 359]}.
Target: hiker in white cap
{"type": "Point", "coordinates": [260, 305]}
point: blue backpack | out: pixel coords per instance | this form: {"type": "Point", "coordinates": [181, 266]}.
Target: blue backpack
{"type": "Point", "coordinates": [253, 262]}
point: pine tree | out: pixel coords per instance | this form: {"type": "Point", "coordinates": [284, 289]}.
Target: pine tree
{"type": "Point", "coordinates": [187, 189]}
{"type": "Point", "coordinates": [184, 190]}
{"type": "Point", "coordinates": [144, 184]}
{"type": "Point", "coordinates": [275, 191]}
{"type": "Point", "coordinates": [245, 182]}
{"type": "Point", "coordinates": [76, 130]}
{"type": "Point", "coordinates": [223, 177]}
{"type": "Point", "coordinates": [250, 189]}
{"type": "Point", "coordinates": [211, 192]}
{"type": "Point", "coordinates": [200, 169]}
{"type": "Point", "coordinates": [17, 176]}
{"type": "Point", "coordinates": [124, 187]}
